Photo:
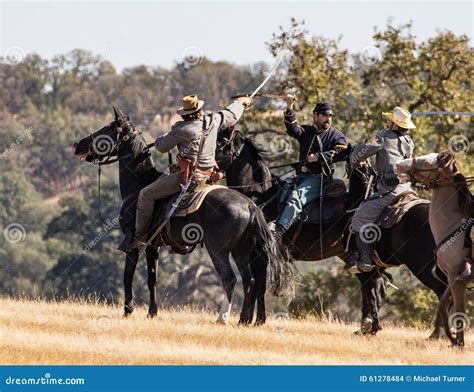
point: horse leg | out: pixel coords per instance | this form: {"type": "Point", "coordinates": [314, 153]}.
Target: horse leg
{"type": "Point", "coordinates": [366, 286]}
{"type": "Point", "coordinates": [425, 276]}
{"type": "Point", "coordinates": [458, 318]}
{"type": "Point", "coordinates": [245, 263]}
{"type": "Point", "coordinates": [131, 260]}
{"type": "Point", "coordinates": [152, 263]}
{"type": "Point", "coordinates": [248, 282]}
{"type": "Point", "coordinates": [224, 269]}
{"type": "Point", "coordinates": [259, 268]}
{"type": "Point", "coordinates": [443, 308]}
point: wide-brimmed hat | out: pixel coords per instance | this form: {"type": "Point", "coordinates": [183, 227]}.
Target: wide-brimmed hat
{"type": "Point", "coordinates": [401, 117]}
{"type": "Point", "coordinates": [191, 104]}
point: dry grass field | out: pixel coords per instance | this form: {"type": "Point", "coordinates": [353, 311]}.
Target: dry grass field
{"type": "Point", "coordinates": [38, 332]}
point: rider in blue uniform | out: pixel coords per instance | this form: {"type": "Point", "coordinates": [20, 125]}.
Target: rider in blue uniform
{"type": "Point", "coordinates": [320, 146]}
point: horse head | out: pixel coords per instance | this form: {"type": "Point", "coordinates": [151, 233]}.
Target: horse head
{"type": "Point", "coordinates": [105, 143]}
{"type": "Point", "coordinates": [429, 170]}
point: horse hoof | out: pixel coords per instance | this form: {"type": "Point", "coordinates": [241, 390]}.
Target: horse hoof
{"type": "Point", "coordinates": [434, 336]}
{"type": "Point", "coordinates": [151, 315]}
{"type": "Point", "coordinates": [259, 322]}
{"type": "Point", "coordinates": [220, 321]}
{"type": "Point", "coordinates": [366, 326]}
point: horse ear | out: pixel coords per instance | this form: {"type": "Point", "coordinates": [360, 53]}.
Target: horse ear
{"type": "Point", "coordinates": [116, 113]}
{"type": "Point", "coordinates": [444, 158]}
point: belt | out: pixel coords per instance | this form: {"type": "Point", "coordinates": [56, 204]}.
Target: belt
{"type": "Point", "coordinates": [206, 172]}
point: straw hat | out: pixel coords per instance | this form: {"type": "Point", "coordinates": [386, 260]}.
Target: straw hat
{"type": "Point", "coordinates": [191, 104]}
{"type": "Point", "coordinates": [401, 117]}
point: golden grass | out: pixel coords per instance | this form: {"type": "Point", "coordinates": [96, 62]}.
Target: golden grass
{"type": "Point", "coordinates": [39, 332]}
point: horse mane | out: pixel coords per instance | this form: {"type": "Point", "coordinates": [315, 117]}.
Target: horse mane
{"type": "Point", "coordinates": [464, 194]}
{"type": "Point", "coordinates": [137, 145]}
{"type": "Point", "coordinates": [258, 156]}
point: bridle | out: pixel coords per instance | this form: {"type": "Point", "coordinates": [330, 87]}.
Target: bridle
{"type": "Point", "coordinates": [229, 143]}
{"type": "Point", "coordinates": [121, 137]}
{"type": "Point", "coordinates": [100, 161]}
{"type": "Point", "coordinates": [427, 181]}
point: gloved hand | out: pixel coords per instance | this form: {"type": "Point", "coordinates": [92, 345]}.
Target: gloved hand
{"type": "Point", "coordinates": [290, 100]}
{"type": "Point", "coordinates": [246, 101]}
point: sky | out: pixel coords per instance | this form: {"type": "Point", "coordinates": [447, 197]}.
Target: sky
{"type": "Point", "coordinates": [159, 33]}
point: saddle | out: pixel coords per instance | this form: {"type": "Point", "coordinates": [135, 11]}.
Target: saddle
{"type": "Point", "coordinates": [334, 199]}
{"type": "Point", "coordinates": [190, 203]}
{"type": "Point", "coordinates": [393, 214]}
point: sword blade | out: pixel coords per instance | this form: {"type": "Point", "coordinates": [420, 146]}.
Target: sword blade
{"type": "Point", "coordinates": [283, 55]}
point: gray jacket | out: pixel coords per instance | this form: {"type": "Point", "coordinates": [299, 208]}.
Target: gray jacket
{"type": "Point", "coordinates": [187, 134]}
{"type": "Point", "coordinates": [390, 147]}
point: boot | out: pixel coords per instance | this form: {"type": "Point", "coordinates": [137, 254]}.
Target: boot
{"type": "Point", "coordinates": [466, 272]}
{"type": "Point", "coordinates": [351, 265]}
{"type": "Point", "coordinates": [138, 242]}
{"type": "Point", "coordinates": [364, 262]}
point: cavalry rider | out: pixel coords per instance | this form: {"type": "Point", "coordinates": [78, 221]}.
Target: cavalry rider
{"type": "Point", "coordinates": [389, 145]}
{"type": "Point", "coordinates": [186, 135]}
{"type": "Point", "coordinates": [320, 146]}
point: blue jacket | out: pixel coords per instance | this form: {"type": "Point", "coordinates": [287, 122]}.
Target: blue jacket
{"type": "Point", "coordinates": [333, 141]}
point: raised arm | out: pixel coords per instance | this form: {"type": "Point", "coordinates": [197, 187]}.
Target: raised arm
{"type": "Point", "coordinates": [232, 113]}
{"type": "Point", "coordinates": [292, 127]}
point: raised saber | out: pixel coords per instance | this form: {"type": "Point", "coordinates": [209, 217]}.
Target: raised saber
{"type": "Point", "coordinates": [264, 95]}
{"type": "Point", "coordinates": [272, 71]}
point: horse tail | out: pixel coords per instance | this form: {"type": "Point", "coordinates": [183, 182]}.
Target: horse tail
{"type": "Point", "coordinates": [280, 271]}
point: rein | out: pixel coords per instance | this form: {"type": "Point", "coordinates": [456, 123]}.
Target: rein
{"type": "Point", "coordinates": [99, 162]}
{"type": "Point", "coordinates": [426, 182]}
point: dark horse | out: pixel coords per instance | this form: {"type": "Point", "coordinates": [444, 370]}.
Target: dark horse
{"type": "Point", "coordinates": [227, 223]}
{"type": "Point", "coordinates": [409, 242]}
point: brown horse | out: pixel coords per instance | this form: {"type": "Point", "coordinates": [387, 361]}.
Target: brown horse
{"type": "Point", "coordinates": [450, 217]}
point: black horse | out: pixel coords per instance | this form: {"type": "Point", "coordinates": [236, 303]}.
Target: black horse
{"type": "Point", "coordinates": [409, 242]}
{"type": "Point", "coordinates": [227, 223]}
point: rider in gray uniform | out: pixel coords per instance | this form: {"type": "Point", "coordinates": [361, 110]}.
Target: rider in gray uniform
{"type": "Point", "coordinates": [389, 145]}
{"type": "Point", "coordinates": [197, 126]}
